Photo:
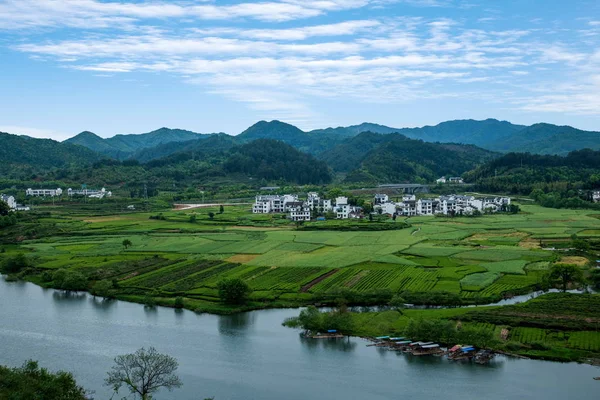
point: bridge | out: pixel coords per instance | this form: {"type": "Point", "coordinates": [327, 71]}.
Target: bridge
{"type": "Point", "coordinates": [407, 188]}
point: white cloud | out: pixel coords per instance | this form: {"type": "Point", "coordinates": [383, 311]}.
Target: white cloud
{"type": "Point", "coordinates": [25, 14]}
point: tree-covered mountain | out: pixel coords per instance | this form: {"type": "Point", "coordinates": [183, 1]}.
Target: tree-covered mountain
{"type": "Point", "coordinates": [548, 139]}
{"type": "Point", "coordinates": [347, 155]}
{"type": "Point", "coordinates": [25, 155]}
{"type": "Point", "coordinates": [353, 130]}
{"type": "Point", "coordinates": [520, 173]}
{"type": "Point", "coordinates": [398, 159]}
{"type": "Point", "coordinates": [273, 160]}
{"type": "Point", "coordinates": [213, 143]}
{"type": "Point", "coordinates": [124, 146]}
{"type": "Point", "coordinates": [308, 142]}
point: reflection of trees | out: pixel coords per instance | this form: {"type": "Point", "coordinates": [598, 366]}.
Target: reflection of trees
{"type": "Point", "coordinates": [232, 324]}
{"type": "Point", "coordinates": [101, 304]}
{"type": "Point", "coordinates": [68, 296]}
{"type": "Point", "coordinates": [346, 344]}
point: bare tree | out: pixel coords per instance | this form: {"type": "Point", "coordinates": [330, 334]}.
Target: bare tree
{"type": "Point", "coordinates": [143, 373]}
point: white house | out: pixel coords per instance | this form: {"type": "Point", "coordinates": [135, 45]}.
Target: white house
{"type": "Point", "coordinates": [441, 180]}
{"type": "Point", "coordinates": [316, 203]}
{"type": "Point", "coordinates": [10, 200]}
{"type": "Point", "coordinates": [265, 204]}
{"type": "Point", "coordinates": [43, 192]}
{"type": "Point", "coordinates": [299, 211]}
{"type": "Point", "coordinates": [381, 199]}
{"type": "Point", "coordinates": [596, 196]}
{"type": "Point", "coordinates": [455, 179]}
{"type": "Point", "coordinates": [92, 193]}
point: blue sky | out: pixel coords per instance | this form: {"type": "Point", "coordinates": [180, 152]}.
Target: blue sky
{"type": "Point", "coordinates": [131, 66]}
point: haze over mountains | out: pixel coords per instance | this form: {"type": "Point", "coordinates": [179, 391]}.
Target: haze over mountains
{"type": "Point", "coordinates": [360, 153]}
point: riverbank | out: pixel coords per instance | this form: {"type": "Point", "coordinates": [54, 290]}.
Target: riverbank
{"type": "Point", "coordinates": [558, 326]}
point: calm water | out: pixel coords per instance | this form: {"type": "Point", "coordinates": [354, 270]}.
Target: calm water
{"type": "Point", "coordinates": [251, 356]}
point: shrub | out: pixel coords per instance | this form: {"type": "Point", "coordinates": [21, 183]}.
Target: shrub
{"type": "Point", "coordinates": [179, 302]}
{"type": "Point", "coordinates": [14, 264]}
{"type": "Point", "coordinates": [233, 291]}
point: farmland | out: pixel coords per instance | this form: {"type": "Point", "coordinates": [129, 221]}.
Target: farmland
{"type": "Point", "coordinates": [477, 260]}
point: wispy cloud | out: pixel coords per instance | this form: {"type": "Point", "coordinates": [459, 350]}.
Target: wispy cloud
{"type": "Point", "coordinates": [243, 52]}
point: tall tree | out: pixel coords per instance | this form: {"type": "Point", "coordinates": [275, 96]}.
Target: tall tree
{"type": "Point", "coordinates": [565, 274]}
{"type": "Point", "coordinates": [144, 373]}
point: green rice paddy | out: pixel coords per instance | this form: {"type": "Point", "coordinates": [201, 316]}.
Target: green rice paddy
{"type": "Point", "coordinates": [473, 257]}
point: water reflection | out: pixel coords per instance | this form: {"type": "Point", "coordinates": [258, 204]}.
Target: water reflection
{"type": "Point", "coordinates": [236, 324]}
{"type": "Point", "coordinates": [340, 344]}
{"type": "Point", "coordinates": [67, 296]}
{"type": "Point", "coordinates": [102, 304]}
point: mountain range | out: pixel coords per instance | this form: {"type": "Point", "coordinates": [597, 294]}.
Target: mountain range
{"type": "Point", "coordinates": [360, 153]}
{"type": "Point", "coordinates": [490, 134]}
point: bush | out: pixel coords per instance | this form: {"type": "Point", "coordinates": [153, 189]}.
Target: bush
{"type": "Point", "coordinates": [14, 264]}
{"type": "Point", "coordinates": [46, 276]}
{"type": "Point", "coordinates": [233, 291]}
{"type": "Point", "coordinates": [179, 302]}
{"type": "Point", "coordinates": [32, 382]}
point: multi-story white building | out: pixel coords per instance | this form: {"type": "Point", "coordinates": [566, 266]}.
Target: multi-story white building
{"type": "Point", "coordinates": [299, 211]}
{"type": "Point", "coordinates": [596, 196]}
{"type": "Point", "coordinates": [92, 193]}
{"type": "Point", "coordinates": [44, 192]}
{"type": "Point", "coordinates": [381, 199]}
{"type": "Point", "coordinates": [265, 204]}
{"type": "Point", "coordinates": [10, 200]}
{"type": "Point", "coordinates": [317, 204]}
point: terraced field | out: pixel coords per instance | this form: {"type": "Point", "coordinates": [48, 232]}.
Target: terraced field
{"type": "Point", "coordinates": [473, 257]}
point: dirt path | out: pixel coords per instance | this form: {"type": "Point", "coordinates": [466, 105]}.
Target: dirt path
{"type": "Point", "coordinates": [321, 278]}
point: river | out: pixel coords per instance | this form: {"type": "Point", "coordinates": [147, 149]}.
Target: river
{"type": "Point", "coordinates": [251, 356]}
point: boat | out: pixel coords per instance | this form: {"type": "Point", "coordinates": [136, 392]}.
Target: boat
{"type": "Point", "coordinates": [427, 350]}
{"type": "Point", "coordinates": [464, 352]}
{"type": "Point", "coordinates": [483, 356]}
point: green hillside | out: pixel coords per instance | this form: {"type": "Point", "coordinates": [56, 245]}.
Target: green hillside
{"type": "Point", "coordinates": [400, 159]}
{"type": "Point", "coordinates": [26, 155]}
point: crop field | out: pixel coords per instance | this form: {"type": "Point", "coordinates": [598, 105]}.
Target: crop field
{"type": "Point", "coordinates": [481, 257]}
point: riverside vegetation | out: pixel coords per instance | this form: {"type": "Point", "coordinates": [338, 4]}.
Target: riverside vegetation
{"type": "Point", "coordinates": [184, 258]}
{"type": "Point", "coordinates": [555, 326]}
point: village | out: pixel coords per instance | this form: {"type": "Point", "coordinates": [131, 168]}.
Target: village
{"type": "Point", "coordinates": [407, 206]}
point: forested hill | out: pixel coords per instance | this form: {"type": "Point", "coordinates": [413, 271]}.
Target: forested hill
{"type": "Point", "coordinates": [520, 173]}
{"type": "Point", "coordinates": [21, 155]}
{"type": "Point", "coordinates": [273, 160]}
{"type": "Point", "coordinates": [213, 143]}
{"type": "Point", "coordinates": [124, 146]}
{"type": "Point", "coordinates": [308, 142]}
{"type": "Point", "coordinates": [549, 139]}
{"type": "Point", "coordinates": [399, 159]}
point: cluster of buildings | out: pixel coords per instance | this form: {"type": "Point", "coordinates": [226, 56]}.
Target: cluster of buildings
{"type": "Point", "coordinates": [300, 210]}
{"type": "Point", "coordinates": [92, 193]}
{"type": "Point", "coordinates": [445, 205]}
{"type": "Point", "coordinates": [12, 203]}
